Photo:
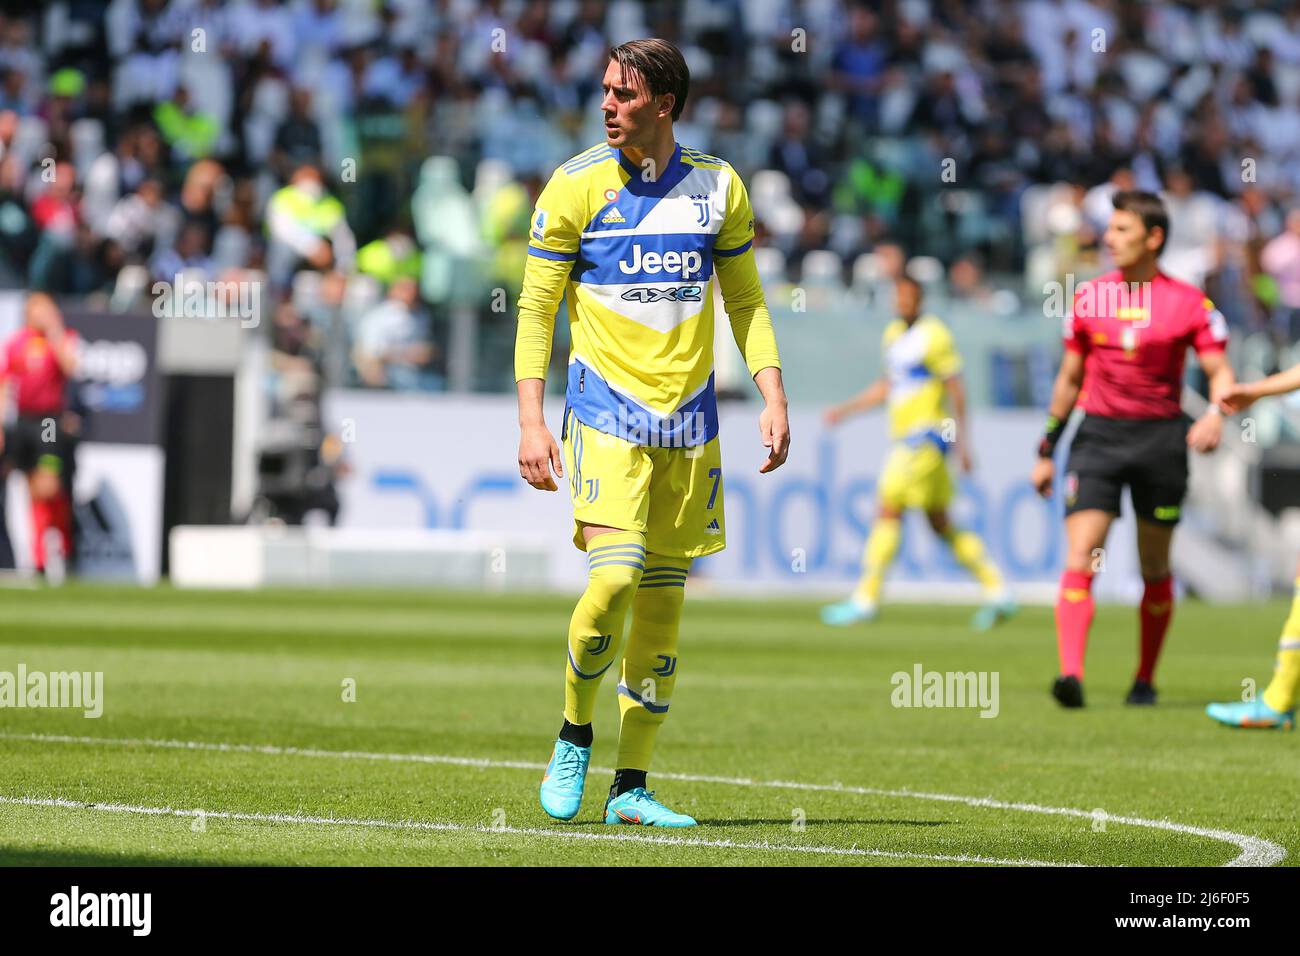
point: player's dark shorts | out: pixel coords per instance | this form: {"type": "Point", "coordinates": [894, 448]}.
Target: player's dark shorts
{"type": "Point", "coordinates": [26, 446]}
{"type": "Point", "coordinates": [1148, 455]}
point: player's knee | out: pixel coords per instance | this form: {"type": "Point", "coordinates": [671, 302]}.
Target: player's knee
{"type": "Point", "coordinates": [45, 483]}
{"type": "Point", "coordinates": [1082, 558]}
{"type": "Point", "coordinates": [1084, 552]}
{"type": "Point", "coordinates": [1153, 569]}
{"type": "Point", "coordinates": [620, 579]}
{"type": "Point", "coordinates": [613, 584]}
{"type": "Point", "coordinates": [659, 604]}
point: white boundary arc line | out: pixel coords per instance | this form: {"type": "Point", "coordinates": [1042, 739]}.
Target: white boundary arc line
{"type": "Point", "coordinates": [525, 831]}
{"type": "Point", "coordinates": [1255, 851]}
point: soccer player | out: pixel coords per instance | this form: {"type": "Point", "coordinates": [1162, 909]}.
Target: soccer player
{"type": "Point", "coordinates": [632, 231]}
{"type": "Point", "coordinates": [1276, 706]}
{"type": "Point", "coordinates": [39, 359]}
{"type": "Point", "coordinates": [922, 379]}
{"type": "Point", "coordinates": [1126, 341]}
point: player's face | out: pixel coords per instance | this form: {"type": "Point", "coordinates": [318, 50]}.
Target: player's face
{"type": "Point", "coordinates": [907, 299]}
{"type": "Point", "coordinates": [1128, 241]}
{"type": "Point", "coordinates": [630, 111]}
{"type": "Point", "coordinates": [42, 315]}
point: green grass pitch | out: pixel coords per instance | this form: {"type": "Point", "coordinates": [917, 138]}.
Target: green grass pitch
{"type": "Point", "coordinates": [233, 704]}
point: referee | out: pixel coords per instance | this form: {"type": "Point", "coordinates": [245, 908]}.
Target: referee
{"type": "Point", "coordinates": [38, 360]}
{"type": "Point", "coordinates": [1126, 341]}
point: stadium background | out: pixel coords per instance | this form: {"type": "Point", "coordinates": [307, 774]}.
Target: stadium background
{"type": "Point", "coordinates": [974, 145]}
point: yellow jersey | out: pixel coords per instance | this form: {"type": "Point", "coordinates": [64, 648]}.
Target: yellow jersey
{"type": "Point", "coordinates": [637, 259]}
{"type": "Point", "coordinates": [918, 361]}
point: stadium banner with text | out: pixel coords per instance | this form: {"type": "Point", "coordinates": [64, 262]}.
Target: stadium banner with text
{"type": "Point", "coordinates": [116, 386]}
{"type": "Point", "coordinates": [450, 462]}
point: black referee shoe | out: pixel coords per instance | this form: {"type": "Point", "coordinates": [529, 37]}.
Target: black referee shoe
{"type": "Point", "coordinates": [1068, 691]}
{"type": "Point", "coordinates": [1142, 694]}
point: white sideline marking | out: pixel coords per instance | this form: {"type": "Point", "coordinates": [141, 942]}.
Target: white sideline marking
{"type": "Point", "coordinates": [526, 831]}
{"type": "Point", "coordinates": [1255, 851]}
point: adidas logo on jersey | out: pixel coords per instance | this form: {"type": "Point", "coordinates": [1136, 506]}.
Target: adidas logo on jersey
{"type": "Point", "coordinates": [612, 216]}
{"type": "Point", "coordinates": [713, 527]}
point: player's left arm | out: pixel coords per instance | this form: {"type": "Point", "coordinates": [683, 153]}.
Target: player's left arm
{"type": "Point", "coordinates": [774, 419]}
{"type": "Point", "coordinates": [64, 346]}
{"type": "Point", "coordinates": [956, 389]}
{"type": "Point", "coordinates": [944, 363]}
{"type": "Point", "coordinates": [1210, 341]}
{"type": "Point", "coordinates": [751, 323]}
{"type": "Point", "coordinates": [4, 391]}
{"type": "Point", "coordinates": [68, 359]}
{"type": "Point", "coordinates": [1206, 431]}
{"type": "Point", "coordinates": [1244, 394]}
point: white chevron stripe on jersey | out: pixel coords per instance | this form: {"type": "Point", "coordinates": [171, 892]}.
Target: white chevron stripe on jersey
{"type": "Point", "coordinates": [903, 356]}
{"type": "Point", "coordinates": [662, 315]}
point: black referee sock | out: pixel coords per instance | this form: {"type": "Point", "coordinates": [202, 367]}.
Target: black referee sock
{"type": "Point", "coordinates": [625, 780]}
{"type": "Point", "coordinates": [577, 734]}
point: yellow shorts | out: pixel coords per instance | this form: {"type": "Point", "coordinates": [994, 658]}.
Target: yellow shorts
{"type": "Point", "coordinates": [673, 495]}
{"type": "Point", "coordinates": [915, 478]}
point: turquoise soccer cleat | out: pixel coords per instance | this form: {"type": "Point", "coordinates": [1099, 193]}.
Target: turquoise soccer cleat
{"type": "Point", "coordinates": [566, 775]}
{"type": "Point", "coordinates": [993, 613]}
{"type": "Point", "coordinates": [848, 612]}
{"type": "Point", "coordinates": [1251, 713]}
{"type": "Point", "coordinates": [638, 806]}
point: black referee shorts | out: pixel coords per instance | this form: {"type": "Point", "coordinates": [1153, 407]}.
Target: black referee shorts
{"type": "Point", "coordinates": [1148, 455]}
{"type": "Point", "coordinates": [26, 447]}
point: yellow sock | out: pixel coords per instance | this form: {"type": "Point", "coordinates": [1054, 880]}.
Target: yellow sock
{"type": "Point", "coordinates": [614, 561]}
{"type": "Point", "coordinates": [1284, 689]}
{"type": "Point", "coordinates": [969, 551]}
{"type": "Point", "coordinates": [650, 662]}
{"type": "Point", "coordinates": [882, 546]}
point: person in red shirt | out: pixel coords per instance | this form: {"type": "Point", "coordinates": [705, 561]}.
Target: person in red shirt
{"type": "Point", "coordinates": [38, 360]}
{"type": "Point", "coordinates": [1126, 341]}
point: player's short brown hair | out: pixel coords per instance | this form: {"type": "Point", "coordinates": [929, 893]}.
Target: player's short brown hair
{"type": "Point", "coordinates": [660, 65]}
{"type": "Point", "coordinates": [1148, 207]}
{"type": "Point", "coordinates": [904, 279]}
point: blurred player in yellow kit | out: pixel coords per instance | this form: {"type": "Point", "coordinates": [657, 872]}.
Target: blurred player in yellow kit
{"type": "Point", "coordinates": [1275, 707]}
{"type": "Point", "coordinates": [634, 231]}
{"type": "Point", "coordinates": [922, 377]}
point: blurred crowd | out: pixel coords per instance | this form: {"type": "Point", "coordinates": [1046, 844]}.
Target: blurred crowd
{"type": "Point", "coordinates": [372, 165]}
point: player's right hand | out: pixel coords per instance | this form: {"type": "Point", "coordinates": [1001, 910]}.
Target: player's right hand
{"type": "Point", "coordinates": [538, 455]}
{"type": "Point", "coordinates": [831, 416]}
{"type": "Point", "coordinates": [1042, 476]}
{"type": "Point", "coordinates": [1237, 398]}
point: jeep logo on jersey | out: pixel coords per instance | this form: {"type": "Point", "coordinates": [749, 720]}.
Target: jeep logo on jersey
{"type": "Point", "coordinates": [681, 293]}
{"type": "Point", "coordinates": [684, 263]}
